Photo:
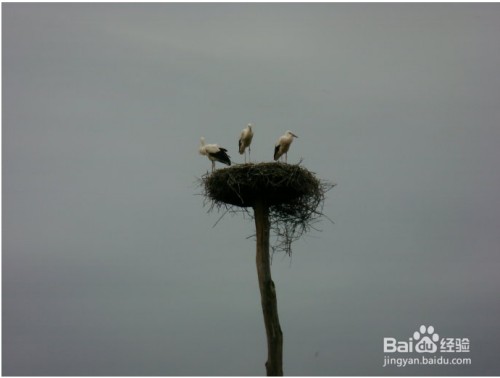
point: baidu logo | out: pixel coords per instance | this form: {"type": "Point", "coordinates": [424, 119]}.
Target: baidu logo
{"type": "Point", "coordinates": [426, 341]}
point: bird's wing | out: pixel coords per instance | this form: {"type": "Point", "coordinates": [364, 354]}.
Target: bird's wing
{"type": "Point", "coordinates": [241, 147]}
{"type": "Point", "coordinates": [221, 156]}
{"type": "Point", "coordinates": [276, 151]}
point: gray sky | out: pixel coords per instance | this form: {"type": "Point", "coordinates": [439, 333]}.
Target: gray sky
{"type": "Point", "coordinates": [111, 265]}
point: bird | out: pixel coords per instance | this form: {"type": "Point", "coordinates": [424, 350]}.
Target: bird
{"type": "Point", "coordinates": [214, 153]}
{"type": "Point", "coordinates": [283, 144]}
{"type": "Point", "coordinates": [245, 141]}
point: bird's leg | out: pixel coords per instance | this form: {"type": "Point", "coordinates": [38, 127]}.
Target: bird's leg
{"type": "Point", "coordinates": [213, 165]}
{"type": "Point", "coordinates": [286, 157]}
{"type": "Point", "coordinates": [249, 150]}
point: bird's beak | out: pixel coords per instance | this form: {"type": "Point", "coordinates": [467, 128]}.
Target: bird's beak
{"type": "Point", "coordinates": [294, 135]}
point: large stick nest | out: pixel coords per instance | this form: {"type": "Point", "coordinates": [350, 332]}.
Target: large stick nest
{"type": "Point", "coordinates": [294, 195]}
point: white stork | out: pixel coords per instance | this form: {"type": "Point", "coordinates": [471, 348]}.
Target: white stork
{"type": "Point", "coordinates": [214, 153]}
{"type": "Point", "coordinates": [283, 144]}
{"type": "Point", "coordinates": [245, 141]}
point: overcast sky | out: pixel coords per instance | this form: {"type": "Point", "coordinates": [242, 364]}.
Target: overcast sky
{"type": "Point", "coordinates": [111, 263]}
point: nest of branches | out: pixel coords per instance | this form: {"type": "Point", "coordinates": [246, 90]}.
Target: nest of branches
{"type": "Point", "coordinates": [293, 194]}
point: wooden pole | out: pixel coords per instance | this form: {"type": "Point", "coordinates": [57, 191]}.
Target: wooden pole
{"type": "Point", "coordinates": [274, 364]}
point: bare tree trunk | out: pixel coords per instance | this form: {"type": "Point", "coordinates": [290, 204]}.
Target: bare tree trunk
{"type": "Point", "coordinates": [274, 364]}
